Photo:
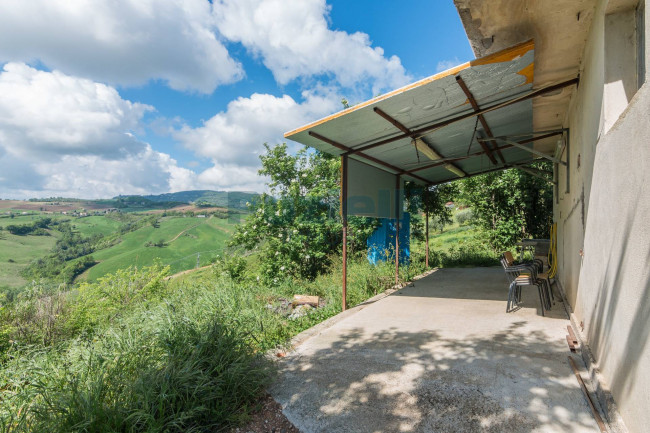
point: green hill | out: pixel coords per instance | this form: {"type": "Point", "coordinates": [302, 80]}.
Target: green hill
{"type": "Point", "coordinates": [16, 252]}
{"type": "Point", "coordinates": [183, 238]}
{"type": "Point", "coordinates": [229, 199]}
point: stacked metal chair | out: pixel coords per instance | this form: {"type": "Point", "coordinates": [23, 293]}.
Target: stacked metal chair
{"type": "Point", "coordinates": [525, 274]}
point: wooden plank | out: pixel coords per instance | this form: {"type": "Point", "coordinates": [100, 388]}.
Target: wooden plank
{"type": "Point", "coordinates": [305, 300]}
{"type": "Point", "coordinates": [571, 334]}
{"type": "Point", "coordinates": [572, 346]}
{"type": "Point", "coordinates": [594, 411]}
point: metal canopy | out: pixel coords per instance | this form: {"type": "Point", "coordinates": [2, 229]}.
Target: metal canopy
{"type": "Point", "coordinates": [439, 129]}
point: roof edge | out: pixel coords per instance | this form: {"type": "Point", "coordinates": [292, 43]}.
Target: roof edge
{"type": "Point", "coordinates": [500, 56]}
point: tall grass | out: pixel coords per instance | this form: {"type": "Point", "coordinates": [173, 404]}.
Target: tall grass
{"type": "Point", "coordinates": [135, 353]}
{"type": "Point", "coordinates": [180, 366]}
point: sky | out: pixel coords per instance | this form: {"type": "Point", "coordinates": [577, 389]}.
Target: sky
{"type": "Point", "coordinates": [106, 97]}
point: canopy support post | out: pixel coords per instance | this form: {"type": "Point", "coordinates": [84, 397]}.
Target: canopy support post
{"type": "Point", "coordinates": [344, 220]}
{"type": "Point", "coordinates": [426, 239]}
{"type": "Point", "coordinates": [397, 203]}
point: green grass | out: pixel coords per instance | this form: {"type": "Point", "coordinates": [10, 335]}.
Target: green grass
{"type": "Point", "coordinates": [206, 236]}
{"type": "Point", "coordinates": [88, 226]}
{"type": "Point", "coordinates": [160, 362]}
{"type": "Point", "coordinates": [133, 352]}
{"type": "Point", "coordinates": [460, 246]}
{"type": "Point", "coordinates": [27, 219]}
{"type": "Point", "coordinates": [453, 235]}
{"type": "Point", "coordinates": [22, 250]}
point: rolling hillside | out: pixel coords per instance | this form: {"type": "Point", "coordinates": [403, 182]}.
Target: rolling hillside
{"type": "Point", "coordinates": [183, 238]}
{"type": "Point", "coordinates": [16, 252]}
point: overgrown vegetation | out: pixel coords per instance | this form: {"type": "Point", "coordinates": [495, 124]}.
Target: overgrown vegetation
{"type": "Point", "coordinates": [297, 228]}
{"type": "Point", "coordinates": [509, 205]}
{"type": "Point", "coordinates": [135, 351]}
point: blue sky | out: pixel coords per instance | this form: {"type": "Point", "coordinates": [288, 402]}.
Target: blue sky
{"type": "Point", "coordinates": [137, 96]}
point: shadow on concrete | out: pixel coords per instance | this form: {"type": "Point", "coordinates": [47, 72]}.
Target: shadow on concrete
{"type": "Point", "coordinates": [392, 381]}
{"type": "Point", "coordinates": [480, 284]}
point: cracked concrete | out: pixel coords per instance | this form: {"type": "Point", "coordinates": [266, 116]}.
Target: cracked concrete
{"type": "Point", "coordinates": [439, 356]}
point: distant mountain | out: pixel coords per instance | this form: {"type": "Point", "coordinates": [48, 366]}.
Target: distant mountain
{"type": "Point", "coordinates": [229, 199]}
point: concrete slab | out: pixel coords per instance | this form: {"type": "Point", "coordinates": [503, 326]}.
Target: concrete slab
{"type": "Point", "coordinates": [439, 356]}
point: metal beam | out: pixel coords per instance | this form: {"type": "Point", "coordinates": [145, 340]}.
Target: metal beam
{"type": "Point", "coordinates": [344, 148]}
{"type": "Point", "coordinates": [535, 173]}
{"type": "Point", "coordinates": [481, 119]}
{"type": "Point", "coordinates": [472, 155]}
{"type": "Point", "coordinates": [531, 150]}
{"type": "Point", "coordinates": [429, 128]}
{"type": "Point", "coordinates": [454, 168]}
{"type": "Point", "coordinates": [492, 170]}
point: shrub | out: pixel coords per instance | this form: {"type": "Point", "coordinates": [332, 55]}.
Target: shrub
{"type": "Point", "coordinates": [464, 216]}
{"type": "Point", "coordinates": [233, 266]}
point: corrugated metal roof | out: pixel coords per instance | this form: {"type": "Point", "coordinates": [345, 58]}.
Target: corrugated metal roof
{"type": "Point", "coordinates": [491, 80]}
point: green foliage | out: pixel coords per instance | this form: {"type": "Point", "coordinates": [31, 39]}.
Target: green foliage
{"type": "Point", "coordinates": [430, 200]}
{"type": "Point", "coordinates": [298, 226]}
{"type": "Point", "coordinates": [58, 265]}
{"type": "Point", "coordinates": [102, 302]}
{"type": "Point", "coordinates": [37, 228]}
{"type": "Point", "coordinates": [234, 266]}
{"type": "Point", "coordinates": [134, 353]}
{"type": "Point", "coordinates": [464, 216]}
{"type": "Point", "coordinates": [510, 205]}
{"type": "Point", "coordinates": [170, 369]}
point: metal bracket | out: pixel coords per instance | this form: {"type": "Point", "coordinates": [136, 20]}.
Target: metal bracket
{"type": "Point", "coordinates": [537, 173]}
{"type": "Point", "coordinates": [528, 149]}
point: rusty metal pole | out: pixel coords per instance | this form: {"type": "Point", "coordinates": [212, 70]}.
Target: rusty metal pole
{"type": "Point", "coordinates": [426, 239]}
{"type": "Point", "coordinates": [397, 203]}
{"type": "Point", "coordinates": [344, 220]}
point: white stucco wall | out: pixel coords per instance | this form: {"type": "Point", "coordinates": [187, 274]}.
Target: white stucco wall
{"type": "Point", "coordinates": [607, 214]}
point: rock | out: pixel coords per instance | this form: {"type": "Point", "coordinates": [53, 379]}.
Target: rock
{"type": "Point", "coordinates": [300, 311]}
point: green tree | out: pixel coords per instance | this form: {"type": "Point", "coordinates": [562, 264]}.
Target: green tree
{"type": "Point", "coordinates": [431, 200]}
{"type": "Point", "coordinates": [510, 204]}
{"type": "Point", "coordinates": [297, 227]}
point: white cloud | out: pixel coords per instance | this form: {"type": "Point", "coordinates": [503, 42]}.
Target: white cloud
{"type": "Point", "coordinates": [234, 139]}
{"type": "Point", "coordinates": [293, 39]}
{"type": "Point", "coordinates": [63, 135]}
{"type": "Point", "coordinates": [121, 42]}
{"type": "Point", "coordinates": [44, 113]}
{"type": "Point", "coordinates": [443, 65]}
{"type": "Point", "coordinates": [231, 177]}
{"type": "Point", "coordinates": [236, 136]}
{"type": "Point", "coordinates": [93, 176]}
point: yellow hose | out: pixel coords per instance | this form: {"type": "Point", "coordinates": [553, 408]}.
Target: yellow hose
{"type": "Point", "coordinates": [552, 252]}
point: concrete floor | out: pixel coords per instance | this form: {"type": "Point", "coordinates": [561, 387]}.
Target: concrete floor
{"type": "Point", "coordinates": [439, 356]}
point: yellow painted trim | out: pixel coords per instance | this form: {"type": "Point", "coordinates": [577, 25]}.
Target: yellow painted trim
{"type": "Point", "coordinates": [528, 72]}
{"type": "Point", "coordinates": [502, 56]}
{"type": "Point", "coordinates": [506, 55]}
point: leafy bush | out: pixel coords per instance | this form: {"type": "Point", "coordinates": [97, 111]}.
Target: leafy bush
{"type": "Point", "coordinates": [232, 265]}
{"type": "Point", "coordinates": [298, 228]}
{"type": "Point", "coordinates": [464, 216]}
{"type": "Point", "coordinates": [510, 205]}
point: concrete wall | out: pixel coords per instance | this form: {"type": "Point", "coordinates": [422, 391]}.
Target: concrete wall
{"type": "Point", "coordinates": [604, 221]}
